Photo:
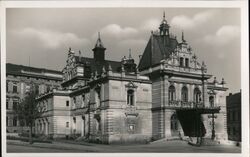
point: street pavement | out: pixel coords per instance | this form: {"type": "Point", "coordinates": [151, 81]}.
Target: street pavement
{"type": "Point", "coordinates": [175, 146]}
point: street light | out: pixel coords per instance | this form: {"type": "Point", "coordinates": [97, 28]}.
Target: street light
{"type": "Point", "coordinates": [213, 124]}
{"type": "Point", "coordinates": [203, 70]}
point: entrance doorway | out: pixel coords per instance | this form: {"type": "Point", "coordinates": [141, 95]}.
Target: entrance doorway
{"type": "Point", "coordinates": [174, 125]}
{"type": "Point", "coordinates": [83, 125]}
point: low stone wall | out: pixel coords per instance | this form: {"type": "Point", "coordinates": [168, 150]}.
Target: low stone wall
{"type": "Point", "coordinates": [129, 139]}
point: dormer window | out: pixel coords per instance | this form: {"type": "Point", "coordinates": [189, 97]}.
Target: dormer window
{"type": "Point", "coordinates": [186, 62]}
{"type": "Point", "coordinates": [181, 62]}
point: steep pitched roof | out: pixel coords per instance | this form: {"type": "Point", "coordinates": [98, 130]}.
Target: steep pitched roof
{"type": "Point", "coordinates": [157, 48]}
{"type": "Point", "coordinates": [98, 66]}
{"type": "Point", "coordinates": [14, 68]}
{"type": "Point", "coordinates": [22, 70]}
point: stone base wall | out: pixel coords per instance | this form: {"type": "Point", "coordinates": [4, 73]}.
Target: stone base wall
{"type": "Point", "coordinates": [129, 138]}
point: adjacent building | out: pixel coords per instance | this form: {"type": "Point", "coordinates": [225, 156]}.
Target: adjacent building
{"type": "Point", "coordinates": [168, 95]}
{"type": "Point", "coordinates": [234, 117]}
{"type": "Point", "coordinates": [19, 79]}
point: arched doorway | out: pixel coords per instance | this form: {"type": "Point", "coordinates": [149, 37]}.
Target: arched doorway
{"type": "Point", "coordinates": [174, 125]}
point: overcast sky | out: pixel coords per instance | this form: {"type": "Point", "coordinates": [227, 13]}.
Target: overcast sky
{"type": "Point", "coordinates": [46, 34]}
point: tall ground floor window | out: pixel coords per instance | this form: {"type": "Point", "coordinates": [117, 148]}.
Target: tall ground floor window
{"type": "Point", "coordinates": [130, 97]}
{"type": "Point", "coordinates": [15, 121]}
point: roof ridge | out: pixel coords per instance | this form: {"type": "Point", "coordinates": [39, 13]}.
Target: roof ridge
{"type": "Point", "coordinates": [20, 67]}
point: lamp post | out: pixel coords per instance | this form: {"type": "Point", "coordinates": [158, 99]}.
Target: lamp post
{"type": "Point", "coordinates": [213, 124]}
{"type": "Point", "coordinates": [203, 70]}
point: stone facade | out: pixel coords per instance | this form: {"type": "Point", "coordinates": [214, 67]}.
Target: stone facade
{"type": "Point", "coordinates": [184, 102]}
{"type": "Point", "coordinates": [18, 82]}
{"type": "Point", "coordinates": [168, 95]}
{"type": "Point", "coordinates": [234, 116]}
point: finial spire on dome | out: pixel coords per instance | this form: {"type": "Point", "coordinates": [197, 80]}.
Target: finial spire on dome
{"type": "Point", "coordinates": [99, 36]}
{"type": "Point", "coordinates": [130, 54]}
{"type": "Point", "coordinates": [99, 41]}
{"type": "Point", "coordinates": [182, 36]}
{"type": "Point", "coordinates": [164, 27]}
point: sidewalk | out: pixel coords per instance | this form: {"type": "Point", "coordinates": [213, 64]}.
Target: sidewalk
{"type": "Point", "coordinates": [163, 146]}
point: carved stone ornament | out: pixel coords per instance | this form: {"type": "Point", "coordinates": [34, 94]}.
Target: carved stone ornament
{"type": "Point", "coordinates": [131, 85]}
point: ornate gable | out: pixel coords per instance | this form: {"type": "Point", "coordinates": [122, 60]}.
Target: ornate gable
{"type": "Point", "coordinates": [131, 85]}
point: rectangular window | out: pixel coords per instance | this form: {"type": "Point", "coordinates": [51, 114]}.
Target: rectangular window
{"type": "Point", "coordinates": [7, 121]}
{"type": "Point", "coordinates": [47, 88]}
{"type": "Point", "coordinates": [83, 100]}
{"type": "Point", "coordinates": [181, 62]}
{"type": "Point", "coordinates": [37, 89]}
{"type": "Point", "coordinates": [7, 104]}
{"type": "Point", "coordinates": [14, 104]}
{"type": "Point", "coordinates": [187, 62]}
{"type": "Point", "coordinates": [98, 97]}
{"type": "Point", "coordinates": [7, 87]}
{"type": "Point", "coordinates": [67, 124]}
{"type": "Point", "coordinates": [67, 103]}
{"type": "Point", "coordinates": [131, 128]}
{"type": "Point", "coordinates": [99, 126]}
{"type": "Point", "coordinates": [130, 97]}
{"type": "Point", "coordinates": [27, 89]}
{"type": "Point", "coordinates": [74, 102]}
{"type": "Point", "coordinates": [15, 121]}
{"type": "Point", "coordinates": [14, 88]}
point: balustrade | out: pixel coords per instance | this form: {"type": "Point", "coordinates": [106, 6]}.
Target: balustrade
{"type": "Point", "coordinates": [189, 105]}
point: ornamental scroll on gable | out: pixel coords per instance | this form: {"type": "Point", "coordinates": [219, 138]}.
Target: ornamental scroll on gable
{"type": "Point", "coordinates": [69, 70]}
{"type": "Point", "coordinates": [183, 53]}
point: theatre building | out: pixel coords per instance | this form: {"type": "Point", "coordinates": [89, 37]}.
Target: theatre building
{"type": "Point", "coordinates": [168, 95]}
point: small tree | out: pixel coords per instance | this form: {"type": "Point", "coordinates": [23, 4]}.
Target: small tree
{"type": "Point", "coordinates": [27, 110]}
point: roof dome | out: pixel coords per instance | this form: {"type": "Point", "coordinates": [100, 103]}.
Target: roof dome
{"type": "Point", "coordinates": [164, 21]}
{"type": "Point", "coordinates": [99, 43]}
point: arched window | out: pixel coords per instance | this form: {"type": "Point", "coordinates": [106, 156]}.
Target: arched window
{"type": "Point", "coordinates": [181, 62]}
{"type": "Point", "coordinates": [184, 94]}
{"type": "Point", "coordinates": [130, 97]}
{"type": "Point", "coordinates": [197, 95]}
{"type": "Point", "coordinates": [211, 101]}
{"type": "Point", "coordinates": [171, 93]}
